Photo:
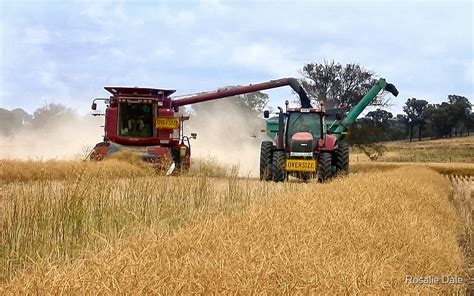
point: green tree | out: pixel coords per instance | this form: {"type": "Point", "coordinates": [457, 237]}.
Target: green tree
{"type": "Point", "coordinates": [440, 118]}
{"type": "Point", "coordinates": [402, 120]}
{"type": "Point", "coordinates": [415, 109]}
{"type": "Point", "coordinates": [13, 121]}
{"type": "Point", "coordinates": [380, 119]}
{"type": "Point", "coordinates": [51, 114]}
{"type": "Point", "coordinates": [460, 111]}
{"type": "Point", "coordinates": [337, 85]}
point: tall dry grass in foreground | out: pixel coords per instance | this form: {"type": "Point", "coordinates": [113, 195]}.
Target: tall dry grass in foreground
{"type": "Point", "coordinates": [362, 234]}
{"type": "Point", "coordinates": [55, 220]}
{"type": "Point", "coordinates": [462, 198]}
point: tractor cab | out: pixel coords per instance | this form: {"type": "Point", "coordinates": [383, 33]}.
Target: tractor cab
{"type": "Point", "coordinates": [304, 127]}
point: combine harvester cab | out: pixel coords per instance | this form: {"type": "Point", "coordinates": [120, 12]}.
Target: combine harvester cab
{"type": "Point", "coordinates": [307, 145]}
{"type": "Point", "coordinates": [142, 121]}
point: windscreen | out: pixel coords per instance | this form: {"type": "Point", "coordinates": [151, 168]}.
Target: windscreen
{"type": "Point", "coordinates": [304, 122]}
{"type": "Point", "coordinates": [136, 119]}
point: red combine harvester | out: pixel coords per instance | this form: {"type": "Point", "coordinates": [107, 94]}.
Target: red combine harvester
{"type": "Point", "coordinates": [146, 121]}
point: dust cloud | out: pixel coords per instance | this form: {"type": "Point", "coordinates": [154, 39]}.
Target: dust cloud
{"type": "Point", "coordinates": [66, 137]}
{"type": "Point", "coordinates": [227, 134]}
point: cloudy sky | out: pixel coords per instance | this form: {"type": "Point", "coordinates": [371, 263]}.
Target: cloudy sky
{"type": "Point", "coordinates": [67, 51]}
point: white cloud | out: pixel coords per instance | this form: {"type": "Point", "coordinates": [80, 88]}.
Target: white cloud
{"type": "Point", "coordinates": [177, 19]}
{"type": "Point", "coordinates": [37, 36]}
{"type": "Point", "coordinates": [164, 52]}
{"type": "Point", "coordinates": [214, 6]}
{"type": "Point", "coordinates": [272, 58]}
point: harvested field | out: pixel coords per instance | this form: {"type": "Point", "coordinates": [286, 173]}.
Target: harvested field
{"type": "Point", "coordinates": [361, 234]}
{"type": "Point", "coordinates": [456, 150]}
{"type": "Point", "coordinates": [460, 169]}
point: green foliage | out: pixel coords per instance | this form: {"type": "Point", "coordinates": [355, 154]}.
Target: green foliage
{"type": "Point", "coordinates": [337, 85]}
{"type": "Point", "coordinates": [415, 110]}
{"type": "Point", "coordinates": [50, 114]}
{"type": "Point", "coordinates": [455, 114]}
{"type": "Point", "coordinates": [17, 119]}
{"type": "Point", "coordinates": [12, 121]}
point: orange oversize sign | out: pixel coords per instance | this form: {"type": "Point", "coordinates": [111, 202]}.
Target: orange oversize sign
{"type": "Point", "coordinates": [167, 123]}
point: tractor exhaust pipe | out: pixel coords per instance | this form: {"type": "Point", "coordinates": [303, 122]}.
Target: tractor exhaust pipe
{"type": "Point", "coordinates": [281, 126]}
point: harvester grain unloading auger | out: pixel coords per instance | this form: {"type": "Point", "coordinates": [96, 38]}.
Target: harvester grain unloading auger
{"type": "Point", "coordinates": [146, 122]}
{"type": "Point", "coordinates": [307, 145]}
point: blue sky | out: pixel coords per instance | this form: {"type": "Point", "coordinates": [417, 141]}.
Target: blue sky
{"type": "Point", "coordinates": [67, 51]}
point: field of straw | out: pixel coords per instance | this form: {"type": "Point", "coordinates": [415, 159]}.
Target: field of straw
{"type": "Point", "coordinates": [87, 233]}
{"type": "Point", "coordinates": [456, 149]}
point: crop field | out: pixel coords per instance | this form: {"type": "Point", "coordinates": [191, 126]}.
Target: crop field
{"type": "Point", "coordinates": [117, 227]}
{"type": "Point", "coordinates": [456, 150]}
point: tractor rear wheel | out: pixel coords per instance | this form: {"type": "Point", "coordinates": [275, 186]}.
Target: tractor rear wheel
{"type": "Point", "coordinates": [324, 166]}
{"type": "Point", "coordinates": [265, 160]}
{"type": "Point", "coordinates": [342, 159]}
{"type": "Point", "coordinates": [279, 161]}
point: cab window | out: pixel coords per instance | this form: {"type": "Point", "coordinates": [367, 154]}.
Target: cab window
{"type": "Point", "coordinates": [135, 119]}
{"type": "Point", "coordinates": [304, 122]}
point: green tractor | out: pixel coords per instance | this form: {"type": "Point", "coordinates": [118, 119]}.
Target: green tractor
{"type": "Point", "coordinates": [309, 142]}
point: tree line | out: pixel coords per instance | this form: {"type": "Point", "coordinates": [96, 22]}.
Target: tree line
{"type": "Point", "coordinates": [453, 117]}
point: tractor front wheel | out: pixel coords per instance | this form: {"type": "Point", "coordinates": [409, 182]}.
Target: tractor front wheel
{"type": "Point", "coordinates": [265, 160]}
{"type": "Point", "coordinates": [342, 159]}
{"type": "Point", "coordinates": [324, 166]}
{"type": "Point", "coordinates": [279, 160]}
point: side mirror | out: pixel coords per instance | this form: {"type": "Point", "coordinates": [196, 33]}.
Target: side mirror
{"type": "Point", "coordinates": [266, 114]}
{"type": "Point", "coordinates": [194, 135]}
{"type": "Point", "coordinates": [94, 106]}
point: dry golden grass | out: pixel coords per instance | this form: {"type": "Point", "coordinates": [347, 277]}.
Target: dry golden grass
{"type": "Point", "coordinates": [455, 142]}
{"type": "Point", "coordinates": [466, 169]}
{"type": "Point", "coordinates": [55, 220]}
{"type": "Point", "coordinates": [120, 165]}
{"type": "Point", "coordinates": [459, 149]}
{"type": "Point", "coordinates": [362, 234]}
{"type": "Point", "coordinates": [16, 170]}
{"type": "Point", "coordinates": [462, 198]}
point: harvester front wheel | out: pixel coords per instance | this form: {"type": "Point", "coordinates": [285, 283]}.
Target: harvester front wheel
{"type": "Point", "coordinates": [324, 166]}
{"type": "Point", "coordinates": [279, 161]}
{"type": "Point", "coordinates": [342, 159]}
{"type": "Point", "coordinates": [265, 160]}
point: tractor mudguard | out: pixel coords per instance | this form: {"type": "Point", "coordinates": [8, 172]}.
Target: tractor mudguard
{"type": "Point", "coordinates": [329, 143]}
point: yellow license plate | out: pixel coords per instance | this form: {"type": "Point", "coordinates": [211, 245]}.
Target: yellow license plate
{"type": "Point", "coordinates": [301, 165]}
{"type": "Point", "coordinates": [167, 122]}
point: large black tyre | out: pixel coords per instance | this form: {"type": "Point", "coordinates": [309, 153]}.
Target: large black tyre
{"type": "Point", "coordinates": [279, 168]}
{"type": "Point", "coordinates": [265, 160]}
{"type": "Point", "coordinates": [324, 166]}
{"type": "Point", "coordinates": [342, 159]}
